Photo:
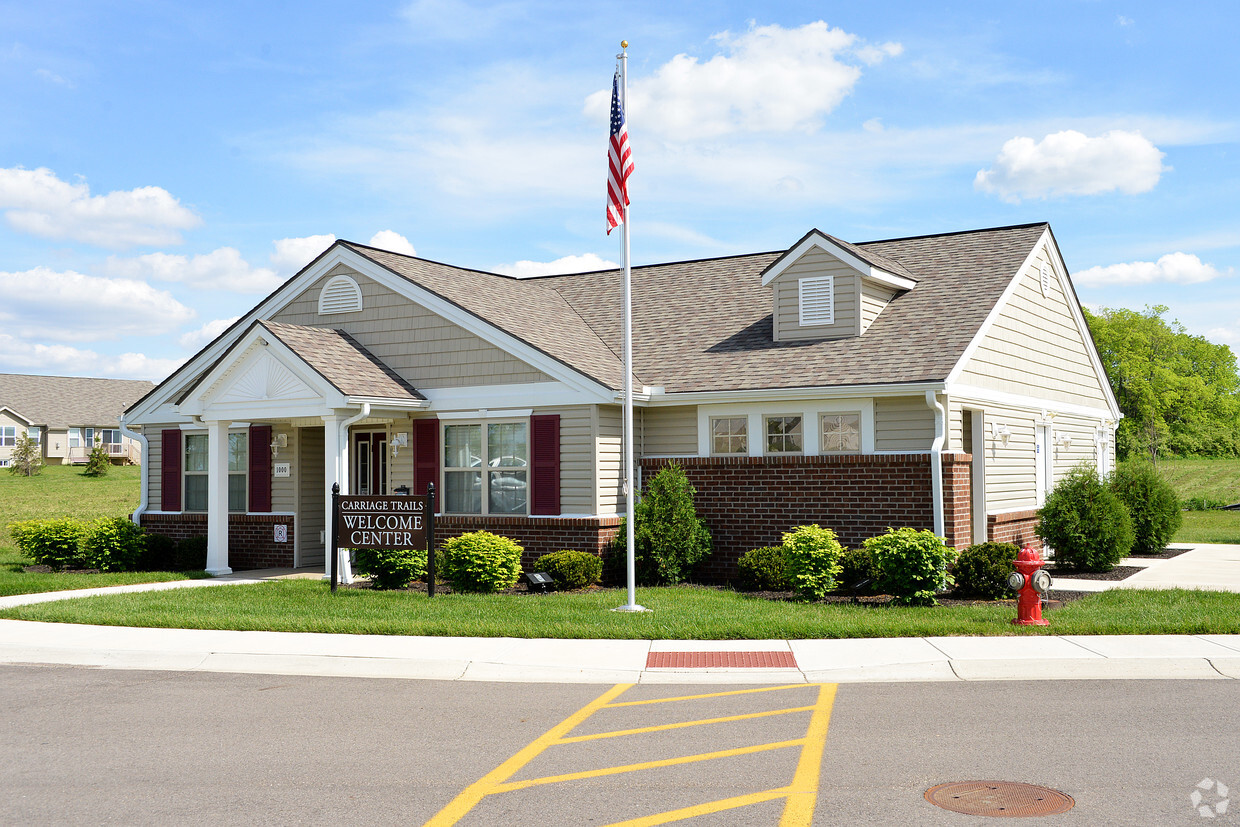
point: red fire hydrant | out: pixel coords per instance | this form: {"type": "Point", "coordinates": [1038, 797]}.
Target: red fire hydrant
{"type": "Point", "coordinates": [1032, 581]}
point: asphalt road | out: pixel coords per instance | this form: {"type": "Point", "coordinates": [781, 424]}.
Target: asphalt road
{"type": "Point", "coordinates": [89, 746]}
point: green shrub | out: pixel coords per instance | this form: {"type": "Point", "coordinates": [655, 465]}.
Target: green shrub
{"type": "Point", "coordinates": [669, 536]}
{"type": "Point", "coordinates": [571, 569]}
{"type": "Point", "coordinates": [159, 554]}
{"type": "Point", "coordinates": [812, 557]}
{"type": "Point", "coordinates": [763, 570]}
{"type": "Point", "coordinates": [99, 463]}
{"type": "Point", "coordinates": [112, 544]}
{"type": "Point", "coordinates": [191, 554]}
{"type": "Point", "coordinates": [390, 568]}
{"type": "Point", "coordinates": [1203, 503]}
{"type": "Point", "coordinates": [1087, 525]}
{"type": "Point", "coordinates": [50, 542]}
{"type": "Point", "coordinates": [857, 566]}
{"type": "Point", "coordinates": [1151, 503]}
{"type": "Point", "coordinates": [912, 565]}
{"type": "Point", "coordinates": [480, 561]}
{"type": "Point", "coordinates": [982, 570]}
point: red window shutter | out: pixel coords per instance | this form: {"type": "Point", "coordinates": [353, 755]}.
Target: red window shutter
{"type": "Point", "coordinates": [170, 470]}
{"type": "Point", "coordinates": [545, 464]}
{"type": "Point", "coordinates": [260, 469]}
{"type": "Point", "coordinates": [426, 458]}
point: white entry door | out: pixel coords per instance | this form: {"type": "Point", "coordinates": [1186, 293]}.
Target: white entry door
{"type": "Point", "coordinates": [1042, 468]}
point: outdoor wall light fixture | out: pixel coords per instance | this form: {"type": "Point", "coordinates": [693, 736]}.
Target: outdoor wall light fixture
{"type": "Point", "coordinates": [1000, 432]}
{"type": "Point", "coordinates": [278, 441]}
{"type": "Point", "coordinates": [1063, 440]}
{"type": "Point", "coordinates": [401, 440]}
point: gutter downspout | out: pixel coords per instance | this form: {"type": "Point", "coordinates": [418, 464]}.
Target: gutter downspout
{"type": "Point", "coordinates": [145, 483]}
{"type": "Point", "coordinates": [936, 459]}
{"type": "Point", "coordinates": [346, 567]}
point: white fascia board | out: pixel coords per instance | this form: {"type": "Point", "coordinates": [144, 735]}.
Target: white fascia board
{"type": "Point", "coordinates": [534, 394]}
{"type": "Point", "coordinates": [16, 415]}
{"type": "Point", "coordinates": [826, 245]}
{"type": "Point", "coordinates": [794, 394]}
{"type": "Point", "coordinates": [966, 394]}
{"type": "Point", "coordinates": [489, 413]}
{"type": "Point", "coordinates": [1073, 306]}
{"type": "Point", "coordinates": [386, 403]}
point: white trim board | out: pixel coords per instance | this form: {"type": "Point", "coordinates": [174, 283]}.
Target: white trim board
{"type": "Point", "coordinates": [965, 394]}
{"type": "Point", "coordinates": [817, 238]}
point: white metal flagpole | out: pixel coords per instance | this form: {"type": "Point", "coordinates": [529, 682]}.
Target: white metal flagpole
{"type": "Point", "coordinates": [630, 493]}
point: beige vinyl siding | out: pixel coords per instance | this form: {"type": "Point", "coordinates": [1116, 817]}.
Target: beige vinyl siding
{"type": "Point", "coordinates": [18, 427]}
{"type": "Point", "coordinates": [610, 452]}
{"type": "Point", "coordinates": [153, 464]}
{"type": "Point", "coordinates": [577, 488]}
{"type": "Point", "coordinates": [874, 297]}
{"type": "Point", "coordinates": [1083, 447]}
{"type": "Point", "coordinates": [957, 422]}
{"type": "Point", "coordinates": [427, 350]}
{"type": "Point", "coordinates": [815, 263]}
{"type": "Point", "coordinates": [284, 489]}
{"type": "Point", "coordinates": [1035, 348]}
{"type": "Point", "coordinates": [903, 423]}
{"type": "Point", "coordinates": [1011, 475]}
{"type": "Point", "coordinates": [311, 496]}
{"type": "Point", "coordinates": [668, 432]}
{"type": "Point", "coordinates": [56, 444]}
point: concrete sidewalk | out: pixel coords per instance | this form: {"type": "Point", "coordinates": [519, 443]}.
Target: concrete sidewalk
{"type": "Point", "coordinates": [630, 661]}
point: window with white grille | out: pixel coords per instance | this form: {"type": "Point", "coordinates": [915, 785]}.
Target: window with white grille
{"type": "Point", "coordinates": [817, 300]}
{"type": "Point", "coordinates": [340, 295]}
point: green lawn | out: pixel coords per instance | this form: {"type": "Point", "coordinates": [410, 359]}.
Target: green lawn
{"type": "Point", "coordinates": [62, 491]}
{"type": "Point", "coordinates": [681, 613]}
{"type": "Point", "coordinates": [1214, 479]}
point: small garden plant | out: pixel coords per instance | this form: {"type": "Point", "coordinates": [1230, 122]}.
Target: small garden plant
{"type": "Point", "coordinates": [480, 561]}
{"type": "Point", "coordinates": [670, 537]}
{"type": "Point", "coordinates": [390, 568]}
{"type": "Point", "coordinates": [812, 560]}
{"type": "Point", "coordinates": [982, 570]}
{"type": "Point", "coordinates": [1085, 523]}
{"type": "Point", "coordinates": [1151, 503]}
{"type": "Point", "coordinates": [571, 569]}
{"type": "Point", "coordinates": [98, 463]}
{"type": "Point", "coordinates": [912, 565]}
{"type": "Point", "coordinates": [763, 570]}
{"type": "Point", "coordinates": [857, 570]}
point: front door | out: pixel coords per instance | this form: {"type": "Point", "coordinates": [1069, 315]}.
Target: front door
{"type": "Point", "coordinates": [370, 463]}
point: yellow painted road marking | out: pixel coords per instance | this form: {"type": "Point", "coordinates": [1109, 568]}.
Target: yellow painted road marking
{"type": "Point", "coordinates": [703, 809]}
{"type": "Point", "coordinates": [683, 724]}
{"type": "Point", "coordinates": [471, 795]}
{"type": "Point", "coordinates": [714, 695]}
{"type": "Point", "coordinates": [799, 811]}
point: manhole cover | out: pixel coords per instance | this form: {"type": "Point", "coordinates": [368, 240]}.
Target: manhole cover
{"type": "Point", "coordinates": [999, 798]}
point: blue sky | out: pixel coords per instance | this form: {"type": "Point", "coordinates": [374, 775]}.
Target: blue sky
{"type": "Point", "coordinates": [162, 167]}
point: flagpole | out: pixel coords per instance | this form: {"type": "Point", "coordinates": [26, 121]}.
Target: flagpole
{"type": "Point", "coordinates": [630, 492]}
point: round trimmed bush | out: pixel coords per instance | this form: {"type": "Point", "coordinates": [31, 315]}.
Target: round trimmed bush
{"type": "Point", "coordinates": [160, 553]}
{"type": "Point", "coordinates": [112, 544]}
{"type": "Point", "coordinates": [1151, 503]}
{"type": "Point", "coordinates": [763, 570]}
{"type": "Point", "coordinates": [1087, 525]}
{"type": "Point", "coordinates": [53, 543]}
{"type": "Point", "coordinates": [812, 556]}
{"type": "Point", "coordinates": [480, 561]}
{"type": "Point", "coordinates": [982, 570]}
{"type": "Point", "coordinates": [390, 568]}
{"type": "Point", "coordinates": [571, 569]}
{"type": "Point", "coordinates": [857, 566]}
{"type": "Point", "coordinates": [912, 565]}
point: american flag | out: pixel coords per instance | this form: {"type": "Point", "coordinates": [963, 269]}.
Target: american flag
{"type": "Point", "coordinates": [620, 161]}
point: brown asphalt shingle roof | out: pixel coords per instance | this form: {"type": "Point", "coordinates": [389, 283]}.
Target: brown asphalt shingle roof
{"type": "Point", "coordinates": [706, 325]}
{"type": "Point", "coordinates": [70, 401]}
{"type": "Point", "coordinates": [339, 359]}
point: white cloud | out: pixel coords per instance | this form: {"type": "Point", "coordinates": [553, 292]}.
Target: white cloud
{"type": "Point", "coordinates": [222, 269]}
{"type": "Point", "coordinates": [195, 339]}
{"type": "Point", "coordinates": [292, 254]}
{"type": "Point", "coordinates": [1173, 268]}
{"type": "Point", "coordinates": [769, 79]}
{"type": "Point", "coordinates": [18, 356]}
{"type": "Point", "coordinates": [392, 241]}
{"type": "Point", "coordinates": [72, 307]}
{"type": "Point", "coordinates": [37, 202]}
{"type": "Point", "coordinates": [1225, 335]}
{"type": "Point", "coordinates": [568, 264]}
{"type": "Point", "coordinates": [1072, 163]}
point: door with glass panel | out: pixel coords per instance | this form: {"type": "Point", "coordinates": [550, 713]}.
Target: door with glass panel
{"type": "Point", "coordinates": [370, 463]}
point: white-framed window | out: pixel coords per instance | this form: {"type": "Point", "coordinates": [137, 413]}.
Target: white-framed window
{"type": "Point", "coordinates": [194, 470]}
{"type": "Point", "coordinates": [783, 434]}
{"type": "Point", "coordinates": [8, 436]}
{"type": "Point", "coordinates": [110, 436]}
{"type": "Point", "coordinates": [35, 433]}
{"type": "Point", "coordinates": [729, 435]}
{"type": "Point", "coordinates": [486, 467]}
{"type": "Point", "coordinates": [816, 298]}
{"type": "Point", "coordinates": [75, 437]}
{"type": "Point", "coordinates": [4, 463]}
{"type": "Point", "coordinates": [841, 433]}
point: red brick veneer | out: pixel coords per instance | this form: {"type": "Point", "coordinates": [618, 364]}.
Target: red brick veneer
{"type": "Point", "coordinates": [1019, 527]}
{"type": "Point", "coordinates": [251, 537]}
{"type": "Point", "coordinates": [537, 535]}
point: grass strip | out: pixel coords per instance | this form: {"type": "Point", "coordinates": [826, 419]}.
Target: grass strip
{"type": "Point", "coordinates": [680, 613]}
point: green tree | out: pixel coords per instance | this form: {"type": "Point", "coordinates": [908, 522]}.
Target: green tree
{"type": "Point", "coordinates": [99, 462]}
{"type": "Point", "coordinates": [1180, 394]}
{"type": "Point", "coordinates": [26, 458]}
{"type": "Point", "coordinates": [669, 535]}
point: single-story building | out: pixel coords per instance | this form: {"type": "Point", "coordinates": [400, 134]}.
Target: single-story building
{"type": "Point", "coordinates": [941, 382]}
{"type": "Point", "coordinates": [67, 416]}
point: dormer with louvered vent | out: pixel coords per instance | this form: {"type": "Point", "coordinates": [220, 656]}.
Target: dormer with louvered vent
{"type": "Point", "coordinates": [341, 294]}
{"type": "Point", "coordinates": [824, 288]}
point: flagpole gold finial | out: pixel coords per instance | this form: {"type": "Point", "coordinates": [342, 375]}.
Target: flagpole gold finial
{"type": "Point", "coordinates": [624, 44]}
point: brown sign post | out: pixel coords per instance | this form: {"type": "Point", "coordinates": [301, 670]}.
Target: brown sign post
{"type": "Point", "coordinates": [400, 522]}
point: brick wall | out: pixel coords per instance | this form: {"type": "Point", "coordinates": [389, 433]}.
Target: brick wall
{"type": "Point", "coordinates": [536, 535]}
{"type": "Point", "coordinates": [1019, 527]}
{"type": "Point", "coordinates": [749, 502]}
{"type": "Point", "coordinates": [251, 537]}
{"type": "Point", "coordinates": [957, 506]}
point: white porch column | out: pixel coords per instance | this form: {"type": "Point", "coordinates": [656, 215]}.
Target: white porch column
{"type": "Point", "coordinates": [336, 470]}
{"type": "Point", "coordinates": [217, 497]}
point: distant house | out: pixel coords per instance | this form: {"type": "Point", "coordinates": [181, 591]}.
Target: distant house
{"type": "Point", "coordinates": [67, 415]}
{"type": "Point", "coordinates": [941, 382]}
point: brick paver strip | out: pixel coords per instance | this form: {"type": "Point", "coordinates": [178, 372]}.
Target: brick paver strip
{"type": "Point", "coordinates": [707, 660]}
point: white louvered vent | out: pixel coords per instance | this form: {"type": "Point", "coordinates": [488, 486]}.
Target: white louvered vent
{"type": "Point", "coordinates": [340, 295]}
{"type": "Point", "coordinates": [1046, 280]}
{"type": "Point", "coordinates": [817, 300]}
